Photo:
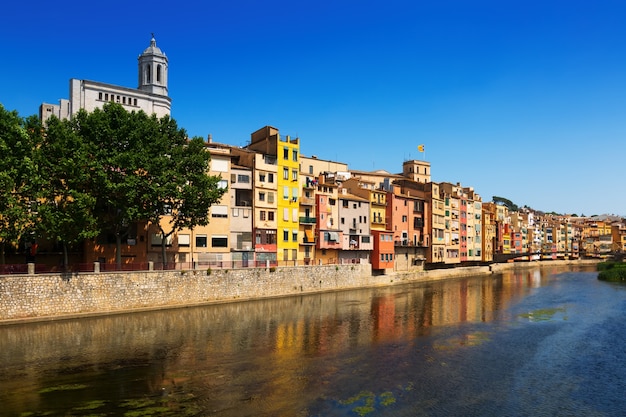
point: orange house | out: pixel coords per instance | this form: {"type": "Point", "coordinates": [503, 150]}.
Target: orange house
{"type": "Point", "coordinates": [382, 255]}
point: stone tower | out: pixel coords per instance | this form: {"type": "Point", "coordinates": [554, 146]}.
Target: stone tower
{"type": "Point", "coordinates": [153, 70]}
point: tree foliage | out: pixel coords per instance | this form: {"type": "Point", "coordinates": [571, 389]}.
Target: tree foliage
{"type": "Point", "coordinates": [67, 205]}
{"type": "Point", "coordinates": [19, 183]}
{"type": "Point", "coordinates": [100, 173]}
{"type": "Point", "coordinates": [505, 202]}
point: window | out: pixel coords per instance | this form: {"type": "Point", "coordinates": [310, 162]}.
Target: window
{"type": "Point", "coordinates": [311, 169]}
{"type": "Point", "coordinates": [332, 201]}
{"type": "Point", "coordinates": [270, 177]}
{"type": "Point", "coordinates": [219, 165]}
{"type": "Point", "coordinates": [294, 235]}
{"type": "Point", "coordinates": [286, 214]}
{"type": "Point", "coordinates": [285, 193]}
{"type": "Point", "coordinates": [294, 175]}
{"type": "Point", "coordinates": [261, 196]}
{"type": "Point", "coordinates": [158, 73]}
{"type": "Point", "coordinates": [183, 240]}
{"type": "Point", "coordinates": [262, 177]}
{"type": "Point", "coordinates": [243, 178]}
{"type": "Point", "coordinates": [285, 173]}
{"type": "Point", "coordinates": [285, 153]}
{"type": "Point", "coordinates": [219, 211]}
{"type": "Point", "coordinates": [294, 155]}
{"type": "Point", "coordinates": [262, 215]}
{"type": "Point", "coordinates": [201, 241]}
{"type": "Point", "coordinates": [286, 235]}
{"type": "Point", "coordinates": [100, 96]}
{"type": "Point", "coordinates": [222, 184]}
{"type": "Point", "coordinates": [270, 216]}
{"type": "Point", "coordinates": [270, 197]}
{"type": "Point", "coordinates": [404, 218]}
{"type": "Point", "coordinates": [219, 241]}
{"type": "Point", "coordinates": [294, 193]}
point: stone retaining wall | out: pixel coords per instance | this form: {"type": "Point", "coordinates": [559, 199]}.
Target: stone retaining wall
{"type": "Point", "coordinates": [49, 296]}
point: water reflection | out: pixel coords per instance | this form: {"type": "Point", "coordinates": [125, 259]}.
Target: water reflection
{"type": "Point", "coordinates": [279, 357]}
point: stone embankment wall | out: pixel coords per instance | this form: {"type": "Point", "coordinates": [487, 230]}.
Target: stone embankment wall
{"type": "Point", "coordinates": [50, 296]}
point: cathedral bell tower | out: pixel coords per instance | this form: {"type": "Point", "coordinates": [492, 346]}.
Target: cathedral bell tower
{"type": "Point", "coordinates": [153, 70]}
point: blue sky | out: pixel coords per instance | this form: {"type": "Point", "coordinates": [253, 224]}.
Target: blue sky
{"type": "Point", "coordinates": [519, 99]}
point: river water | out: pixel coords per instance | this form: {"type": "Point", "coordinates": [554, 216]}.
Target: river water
{"type": "Point", "coordinates": [537, 342]}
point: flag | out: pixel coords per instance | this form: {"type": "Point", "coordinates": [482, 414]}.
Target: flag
{"type": "Point", "coordinates": [420, 148]}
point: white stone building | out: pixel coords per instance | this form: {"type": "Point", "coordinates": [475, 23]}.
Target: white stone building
{"type": "Point", "coordinates": [150, 96]}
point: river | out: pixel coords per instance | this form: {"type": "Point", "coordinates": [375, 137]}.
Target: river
{"type": "Point", "coordinates": [532, 342]}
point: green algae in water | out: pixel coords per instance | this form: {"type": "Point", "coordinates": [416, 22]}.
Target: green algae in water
{"type": "Point", "coordinates": [544, 314]}
{"type": "Point", "coordinates": [67, 387]}
{"type": "Point", "coordinates": [365, 402]}
{"type": "Point", "coordinates": [91, 405]}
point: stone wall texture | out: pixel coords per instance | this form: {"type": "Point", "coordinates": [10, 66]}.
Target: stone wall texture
{"type": "Point", "coordinates": [50, 296]}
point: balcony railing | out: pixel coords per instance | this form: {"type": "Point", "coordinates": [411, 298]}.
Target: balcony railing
{"type": "Point", "coordinates": [307, 220]}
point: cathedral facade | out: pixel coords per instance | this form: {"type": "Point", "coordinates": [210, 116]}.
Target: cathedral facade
{"type": "Point", "coordinates": [151, 95]}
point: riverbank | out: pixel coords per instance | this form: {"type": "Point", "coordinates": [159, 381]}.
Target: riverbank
{"type": "Point", "coordinates": [63, 296]}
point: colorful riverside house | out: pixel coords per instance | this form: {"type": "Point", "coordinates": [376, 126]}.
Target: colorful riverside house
{"type": "Point", "coordinates": [474, 225]}
{"type": "Point", "coordinates": [407, 214]}
{"type": "Point", "coordinates": [383, 253]}
{"type": "Point", "coordinates": [354, 224]}
{"type": "Point", "coordinates": [329, 236]}
{"type": "Point", "coordinates": [276, 167]}
{"type": "Point", "coordinates": [450, 193]}
{"type": "Point", "coordinates": [260, 157]}
{"type": "Point", "coordinates": [437, 225]}
{"type": "Point", "coordinates": [311, 168]}
{"type": "Point", "coordinates": [488, 238]}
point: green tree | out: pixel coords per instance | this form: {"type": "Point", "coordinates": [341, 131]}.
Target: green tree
{"type": "Point", "coordinates": [18, 178]}
{"type": "Point", "coordinates": [114, 140]}
{"type": "Point", "coordinates": [180, 190]}
{"type": "Point", "coordinates": [66, 211]}
{"type": "Point", "coordinates": [146, 170]}
{"type": "Point", "coordinates": [505, 202]}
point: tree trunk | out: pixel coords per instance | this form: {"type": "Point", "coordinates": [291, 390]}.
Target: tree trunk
{"type": "Point", "coordinates": [118, 250]}
{"type": "Point", "coordinates": [65, 257]}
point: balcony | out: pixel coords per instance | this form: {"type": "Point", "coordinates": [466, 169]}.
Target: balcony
{"type": "Point", "coordinates": [306, 201]}
{"type": "Point", "coordinates": [308, 240]}
{"type": "Point", "coordinates": [307, 220]}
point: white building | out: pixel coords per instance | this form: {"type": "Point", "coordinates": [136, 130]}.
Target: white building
{"type": "Point", "coordinates": [150, 96]}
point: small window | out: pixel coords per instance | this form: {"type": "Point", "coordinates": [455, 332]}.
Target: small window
{"type": "Point", "coordinates": [286, 235]}
{"type": "Point", "coordinates": [270, 216]}
{"type": "Point", "coordinates": [261, 196]}
{"type": "Point", "coordinates": [294, 175]}
{"type": "Point", "coordinates": [285, 173]}
{"type": "Point", "coordinates": [285, 153]}
{"type": "Point", "coordinates": [270, 177]}
{"type": "Point", "coordinates": [295, 155]}
{"type": "Point", "coordinates": [201, 241]}
{"type": "Point", "coordinates": [183, 240]}
{"type": "Point", "coordinates": [262, 177]}
{"type": "Point", "coordinates": [242, 178]}
{"type": "Point", "coordinates": [262, 215]}
{"type": "Point", "coordinates": [219, 241]}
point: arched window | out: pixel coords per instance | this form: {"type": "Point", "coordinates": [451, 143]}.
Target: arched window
{"type": "Point", "coordinates": [148, 75]}
{"type": "Point", "coordinates": [158, 77]}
